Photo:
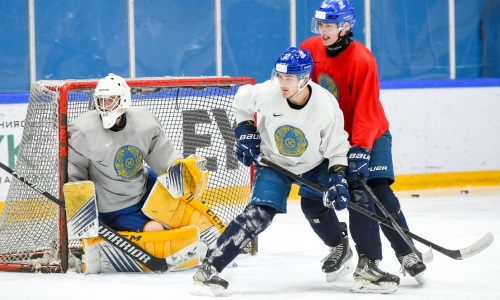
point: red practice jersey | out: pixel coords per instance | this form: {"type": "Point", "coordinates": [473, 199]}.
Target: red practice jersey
{"type": "Point", "coordinates": [352, 78]}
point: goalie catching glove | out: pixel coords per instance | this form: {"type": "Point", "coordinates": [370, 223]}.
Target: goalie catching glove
{"type": "Point", "coordinates": [187, 176]}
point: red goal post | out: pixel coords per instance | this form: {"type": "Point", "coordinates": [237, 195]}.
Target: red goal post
{"type": "Point", "coordinates": [197, 117]}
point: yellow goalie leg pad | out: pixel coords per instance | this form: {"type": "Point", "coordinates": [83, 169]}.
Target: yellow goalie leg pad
{"type": "Point", "coordinates": [183, 211]}
{"type": "Point", "coordinates": [91, 258]}
{"type": "Point", "coordinates": [81, 209]}
{"type": "Point", "coordinates": [101, 257]}
{"type": "Point", "coordinates": [167, 242]}
{"type": "Point", "coordinates": [179, 212]}
{"type": "Point", "coordinates": [205, 211]}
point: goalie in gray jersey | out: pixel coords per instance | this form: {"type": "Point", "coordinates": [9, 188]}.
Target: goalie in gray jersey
{"type": "Point", "coordinates": [109, 148]}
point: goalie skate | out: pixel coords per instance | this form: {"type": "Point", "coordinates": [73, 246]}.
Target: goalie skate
{"type": "Point", "coordinates": [207, 276]}
{"type": "Point", "coordinates": [369, 279]}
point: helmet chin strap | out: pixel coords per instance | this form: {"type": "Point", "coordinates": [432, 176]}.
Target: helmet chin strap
{"type": "Point", "coordinates": [299, 89]}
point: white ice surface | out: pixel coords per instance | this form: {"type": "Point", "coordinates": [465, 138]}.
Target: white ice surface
{"type": "Point", "coordinates": [288, 263]}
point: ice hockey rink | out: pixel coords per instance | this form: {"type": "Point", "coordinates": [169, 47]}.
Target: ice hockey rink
{"type": "Point", "coordinates": [288, 263]}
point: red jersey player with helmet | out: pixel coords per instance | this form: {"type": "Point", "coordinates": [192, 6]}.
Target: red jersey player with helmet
{"type": "Point", "coordinates": [348, 70]}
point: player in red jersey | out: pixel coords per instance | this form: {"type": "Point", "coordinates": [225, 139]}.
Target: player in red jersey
{"type": "Point", "coordinates": [348, 70]}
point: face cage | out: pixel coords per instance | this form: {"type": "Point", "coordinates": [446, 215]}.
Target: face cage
{"type": "Point", "coordinates": [102, 109]}
{"type": "Point", "coordinates": [109, 116]}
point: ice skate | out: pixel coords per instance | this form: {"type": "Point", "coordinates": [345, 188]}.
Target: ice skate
{"type": "Point", "coordinates": [368, 278]}
{"type": "Point", "coordinates": [208, 276]}
{"type": "Point", "coordinates": [412, 265]}
{"type": "Point", "coordinates": [338, 262]}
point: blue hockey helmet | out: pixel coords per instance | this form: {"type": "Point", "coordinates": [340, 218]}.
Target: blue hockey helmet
{"type": "Point", "coordinates": [294, 61]}
{"type": "Point", "coordinates": [334, 11]}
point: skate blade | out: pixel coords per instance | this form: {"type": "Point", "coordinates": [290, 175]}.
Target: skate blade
{"type": "Point", "coordinates": [212, 290]}
{"type": "Point", "coordinates": [347, 268]}
{"type": "Point", "coordinates": [428, 256]}
{"type": "Point", "coordinates": [367, 287]}
{"type": "Point", "coordinates": [420, 278]}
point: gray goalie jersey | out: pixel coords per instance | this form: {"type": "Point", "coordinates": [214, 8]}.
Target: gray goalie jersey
{"type": "Point", "coordinates": [114, 161]}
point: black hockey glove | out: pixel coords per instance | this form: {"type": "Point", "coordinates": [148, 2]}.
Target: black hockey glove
{"type": "Point", "coordinates": [247, 142]}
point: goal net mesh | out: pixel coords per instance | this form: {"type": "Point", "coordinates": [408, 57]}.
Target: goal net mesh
{"type": "Point", "coordinates": [197, 117]}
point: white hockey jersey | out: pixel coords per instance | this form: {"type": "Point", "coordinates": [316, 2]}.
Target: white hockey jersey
{"type": "Point", "coordinates": [114, 161]}
{"type": "Point", "coordinates": [296, 139]}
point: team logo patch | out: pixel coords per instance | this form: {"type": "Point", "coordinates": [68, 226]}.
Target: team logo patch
{"type": "Point", "coordinates": [128, 161]}
{"type": "Point", "coordinates": [290, 141]}
{"type": "Point", "coordinates": [327, 82]}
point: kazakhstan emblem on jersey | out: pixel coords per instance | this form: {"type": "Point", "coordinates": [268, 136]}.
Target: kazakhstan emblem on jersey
{"type": "Point", "coordinates": [327, 82]}
{"type": "Point", "coordinates": [128, 161]}
{"type": "Point", "coordinates": [290, 141]}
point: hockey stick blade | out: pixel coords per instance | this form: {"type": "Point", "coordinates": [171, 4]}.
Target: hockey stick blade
{"type": "Point", "coordinates": [120, 242]}
{"type": "Point", "coordinates": [464, 253]}
{"type": "Point", "coordinates": [475, 248]}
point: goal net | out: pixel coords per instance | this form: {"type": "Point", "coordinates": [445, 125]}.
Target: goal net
{"type": "Point", "coordinates": [196, 115]}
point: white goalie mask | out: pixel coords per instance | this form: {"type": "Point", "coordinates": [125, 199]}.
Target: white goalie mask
{"type": "Point", "coordinates": [111, 99]}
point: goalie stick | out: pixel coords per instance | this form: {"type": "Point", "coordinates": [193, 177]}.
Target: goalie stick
{"type": "Point", "coordinates": [123, 244]}
{"type": "Point", "coordinates": [458, 254]}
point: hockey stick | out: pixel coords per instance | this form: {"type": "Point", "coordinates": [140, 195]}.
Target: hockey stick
{"type": "Point", "coordinates": [123, 244]}
{"type": "Point", "coordinates": [427, 257]}
{"type": "Point", "coordinates": [388, 217]}
{"type": "Point", "coordinates": [460, 254]}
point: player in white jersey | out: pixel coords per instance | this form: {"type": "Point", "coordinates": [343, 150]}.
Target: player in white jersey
{"type": "Point", "coordinates": [109, 148]}
{"type": "Point", "coordinates": [299, 127]}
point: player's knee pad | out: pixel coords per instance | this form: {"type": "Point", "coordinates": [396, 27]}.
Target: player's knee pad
{"type": "Point", "coordinates": [102, 257]}
{"type": "Point", "coordinates": [324, 217]}
{"type": "Point", "coordinates": [361, 198]}
{"type": "Point", "coordinates": [365, 231]}
{"type": "Point", "coordinates": [255, 219]}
